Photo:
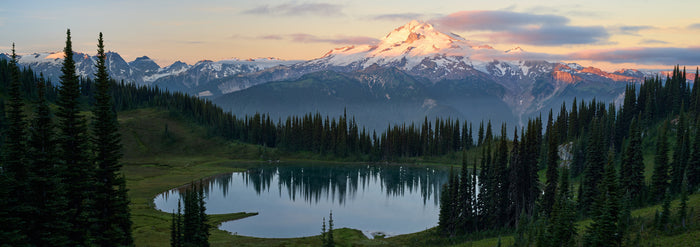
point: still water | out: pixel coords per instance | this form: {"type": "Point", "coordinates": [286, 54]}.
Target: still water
{"type": "Point", "coordinates": [293, 199]}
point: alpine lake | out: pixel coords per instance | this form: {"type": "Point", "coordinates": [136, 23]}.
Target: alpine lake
{"type": "Point", "coordinates": [293, 200]}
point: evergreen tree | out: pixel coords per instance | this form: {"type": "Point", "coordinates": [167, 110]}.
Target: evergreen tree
{"type": "Point", "coordinates": [594, 169]}
{"type": "Point", "coordinates": [562, 228]}
{"type": "Point", "coordinates": [693, 172]}
{"type": "Point", "coordinates": [14, 170]}
{"type": "Point", "coordinates": [48, 225]}
{"type": "Point", "coordinates": [175, 227]}
{"type": "Point", "coordinates": [107, 144]}
{"type": "Point", "coordinates": [551, 173]}
{"type": "Point", "coordinates": [77, 171]}
{"type": "Point", "coordinates": [683, 205]}
{"type": "Point", "coordinates": [680, 154]}
{"type": "Point", "coordinates": [465, 197]}
{"type": "Point", "coordinates": [632, 167]}
{"type": "Point", "coordinates": [328, 239]}
{"type": "Point", "coordinates": [665, 215]}
{"type": "Point", "coordinates": [659, 179]}
{"type": "Point", "coordinates": [604, 230]}
{"type": "Point", "coordinates": [324, 233]}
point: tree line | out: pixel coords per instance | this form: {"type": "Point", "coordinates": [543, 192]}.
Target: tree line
{"type": "Point", "coordinates": [605, 152]}
{"type": "Point", "coordinates": [59, 176]}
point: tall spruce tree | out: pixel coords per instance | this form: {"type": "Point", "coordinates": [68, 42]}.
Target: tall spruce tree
{"type": "Point", "coordinates": [562, 222]}
{"type": "Point", "coordinates": [659, 179]}
{"type": "Point", "coordinates": [112, 213]}
{"type": "Point", "coordinates": [48, 225]}
{"type": "Point", "coordinates": [680, 154]}
{"type": "Point", "coordinates": [551, 173]}
{"type": "Point", "coordinates": [77, 171]}
{"type": "Point", "coordinates": [604, 230]}
{"type": "Point", "coordinates": [632, 167]}
{"type": "Point", "coordinates": [595, 163]}
{"type": "Point", "coordinates": [693, 173]}
{"type": "Point", "coordinates": [15, 210]}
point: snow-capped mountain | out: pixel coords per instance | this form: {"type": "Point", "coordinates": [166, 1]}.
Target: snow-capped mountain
{"type": "Point", "coordinates": [411, 58]}
{"type": "Point", "coordinates": [144, 71]}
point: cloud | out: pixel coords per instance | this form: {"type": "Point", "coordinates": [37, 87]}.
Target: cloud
{"type": "Point", "coordinates": [339, 39]}
{"type": "Point", "coordinates": [495, 20]}
{"type": "Point", "coordinates": [652, 42]}
{"type": "Point", "coordinates": [631, 30]}
{"type": "Point", "coordinates": [552, 35]}
{"type": "Point", "coordinates": [272, 37]}
{"type": "Point", "coordinates": [398, 17]}
{"type": "Point", "coordinates": [292, 9]}
{"type": "Point", "coordinates": [694, 26]}
{"type": "Point", "coordinates": [523, 28]}
{"type": "Point", "coordinates": [642, 55]}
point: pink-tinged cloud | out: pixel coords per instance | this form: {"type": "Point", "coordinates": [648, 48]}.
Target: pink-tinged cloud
{"type": "Point", "coordinates": [523, 28]}
{"type": "Point", "coordinates": [339, 39]}
{"type": "Point", "coordinates": [293, 9]}
{"type": "Point", "coordinates": [642, 55]}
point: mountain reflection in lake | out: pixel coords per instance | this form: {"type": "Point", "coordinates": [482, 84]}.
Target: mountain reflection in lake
{"type": "Point", "coordinates": [293, 199]}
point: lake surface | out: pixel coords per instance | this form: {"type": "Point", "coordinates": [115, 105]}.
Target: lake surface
{"type": "Point", "coordinates": [293, 199]}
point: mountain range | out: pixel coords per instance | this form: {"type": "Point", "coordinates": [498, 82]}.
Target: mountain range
{"type": "Point", "coordinates": [413, 72]}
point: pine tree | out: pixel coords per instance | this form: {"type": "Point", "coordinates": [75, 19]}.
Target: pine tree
{"type": "Point", "coordinates": [659, 179]}
{"type": "Point", "coordinates": [107, 145]}
{"type": "Point", "coordinates": [76, 169]}
{"type": "Point", "coordinates": [15, 173]}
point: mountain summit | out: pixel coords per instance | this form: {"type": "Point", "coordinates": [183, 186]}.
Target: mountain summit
{"type": "Point", "coordinates": [418, 46]}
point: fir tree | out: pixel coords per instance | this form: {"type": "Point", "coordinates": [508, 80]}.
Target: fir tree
{"type": "Point", "coordinates": [107, 144]}
{"type": "Point", "coordinates": [76, 169]}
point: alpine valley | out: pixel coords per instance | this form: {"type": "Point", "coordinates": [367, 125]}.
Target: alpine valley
{"type": "Point", "coordinates": [413, 72]}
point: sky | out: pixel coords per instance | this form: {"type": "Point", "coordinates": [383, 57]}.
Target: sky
{"type": "Point", "coordinates": [608, 34]}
